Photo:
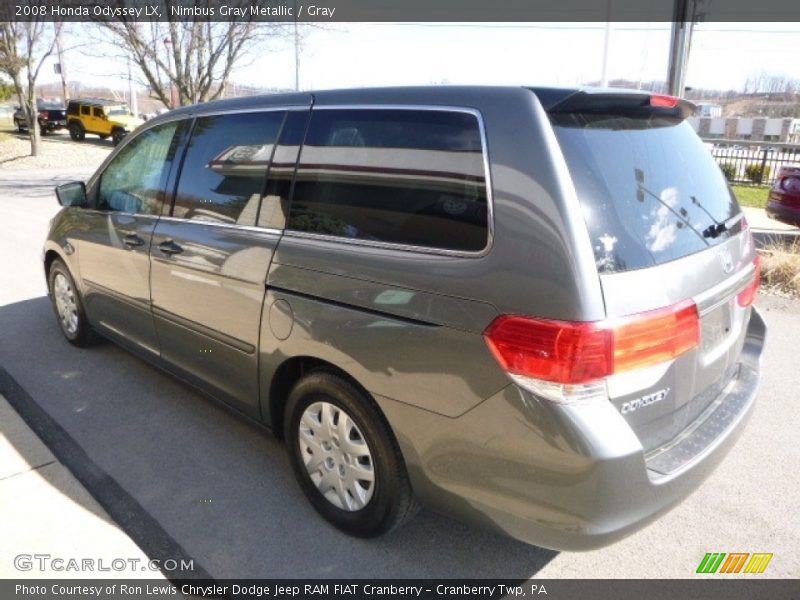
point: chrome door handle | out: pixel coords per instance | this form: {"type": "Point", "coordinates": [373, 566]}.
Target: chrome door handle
{"type": "Point", "coordinates": [132, 240]}
{"type": "Point", "coordinates": [169, 248]}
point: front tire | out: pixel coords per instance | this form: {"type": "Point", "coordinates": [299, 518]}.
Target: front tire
{"type": "Point", "coordinates": [345, 457]}
{"type": "Point", "coordinates": [76, 132]}
{"type": "Point", "coordinates": [116, 136]}
{"type": "Point", "coordinates": [68, 306]}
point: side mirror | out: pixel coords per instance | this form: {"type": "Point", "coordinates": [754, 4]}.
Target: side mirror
{"type": "Point", "coordinates": [72, 194]}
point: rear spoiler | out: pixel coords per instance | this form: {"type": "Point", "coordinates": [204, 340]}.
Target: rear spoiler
{"type": "Point", "coordinates": [635, 103]}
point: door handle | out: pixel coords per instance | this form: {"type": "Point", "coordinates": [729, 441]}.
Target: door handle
{"type": "Point", "coordinates": [132, 240]}
{"type": "Point", "coordinates": [169, 248]}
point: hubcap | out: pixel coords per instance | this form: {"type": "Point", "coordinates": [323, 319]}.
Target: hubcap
{"type": "Point", "coordinates": [65, 304]}
{"type": "Point", "coordinates": [336, 456]}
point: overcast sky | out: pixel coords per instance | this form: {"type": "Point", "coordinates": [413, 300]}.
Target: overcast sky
{"type": "Point", "coordinates": [362, 54]}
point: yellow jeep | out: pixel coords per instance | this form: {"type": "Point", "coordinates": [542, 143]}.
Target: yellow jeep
{"type": "Point", "coordinates": [106, 118]}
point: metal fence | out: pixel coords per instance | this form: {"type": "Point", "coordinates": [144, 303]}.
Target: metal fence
{"type": "Point", "coordinates": [752, 162]}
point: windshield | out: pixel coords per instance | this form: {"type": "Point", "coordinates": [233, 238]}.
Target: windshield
{"type": "Point", "coordinates": [649, 190]}
{"type": "Point", "coordinates": [117, 111]}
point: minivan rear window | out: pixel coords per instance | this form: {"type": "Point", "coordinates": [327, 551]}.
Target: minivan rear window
{"type": "Point", "coordinates": [649, 190]}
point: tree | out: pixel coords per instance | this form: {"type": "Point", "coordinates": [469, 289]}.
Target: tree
{"type": "Point", "coordinates": [188, 62]}
{"type": "Point", "coordinates": [24, 46]}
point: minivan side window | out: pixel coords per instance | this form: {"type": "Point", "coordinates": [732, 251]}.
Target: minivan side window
{"type": "Point", "coordinates": [224, 171]}
{"type": "Point", "coordinates": [132, 181]}
{"type": "Point", "coordinates": [411, 177]}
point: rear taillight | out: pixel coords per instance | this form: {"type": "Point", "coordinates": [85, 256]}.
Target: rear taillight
{"type": "Point", "coordinates": [656, 336]}
{"type": "Point", "coordinates": [557, 351]}
{"type": "Point", "coordinates": [664, 101]}
{"type": "Point", "coordinates": [44, 114]}
{"type": "Point", "coordinates": [748, 295]}
{"type": "Point", "coordinates": [568, 356]}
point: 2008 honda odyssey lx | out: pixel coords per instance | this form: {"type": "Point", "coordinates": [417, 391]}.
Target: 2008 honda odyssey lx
{"type": "Point", "coordinates": [530, 309]}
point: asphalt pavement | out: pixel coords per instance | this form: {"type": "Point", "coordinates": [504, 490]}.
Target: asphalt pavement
{"type": "Point", "coordinates": [178, 473]}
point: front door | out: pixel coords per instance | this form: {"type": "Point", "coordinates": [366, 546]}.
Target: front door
{"type": "Point", "coordinates": [210, 258]}
{"type": "Point", "coordinates": [114, 246]}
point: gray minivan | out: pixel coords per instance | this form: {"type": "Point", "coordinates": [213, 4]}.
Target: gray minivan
{"type": "Point", "coordinates": [529, 309]}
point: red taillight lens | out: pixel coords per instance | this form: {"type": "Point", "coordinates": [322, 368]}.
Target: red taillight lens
{"type": "Point", "coordinates": [571, 352]}
{"type": "Point", "coordinates": [44, 114]}
{"type": "Point", "coordinates": [655, 336]}
{"type": "Point", "coordinates": [559, 351]}
{"type": "Point", "coordinates": [664, 101]}
{"type": "Point", "coordinates": [748, 295]}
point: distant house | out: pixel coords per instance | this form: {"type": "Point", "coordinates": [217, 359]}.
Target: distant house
{"type": "Point", "coordinates": [708, 110]}
{"type": "Point", "coordinates": [756, 129]}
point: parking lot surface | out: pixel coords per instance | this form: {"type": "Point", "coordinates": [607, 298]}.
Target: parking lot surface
{"type": "Point", "coordinates": [223, 490]}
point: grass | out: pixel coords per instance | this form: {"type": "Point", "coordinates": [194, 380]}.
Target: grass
{"type": "Point", "coordinates": [754, 196]}
{"type": "Point", "coordinates": [780, 267]}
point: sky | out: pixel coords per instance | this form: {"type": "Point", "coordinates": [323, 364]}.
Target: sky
{"type": "Point", "coordinates": [377, 54]}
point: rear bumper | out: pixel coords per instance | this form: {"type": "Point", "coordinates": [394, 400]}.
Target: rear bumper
{"type": "Point", "coordinates": [569, 477]}
{"type": "Point", "coordinates": [783, 213]}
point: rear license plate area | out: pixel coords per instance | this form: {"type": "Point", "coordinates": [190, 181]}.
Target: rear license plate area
{"type": "Point", "coordinates": [715, 326]}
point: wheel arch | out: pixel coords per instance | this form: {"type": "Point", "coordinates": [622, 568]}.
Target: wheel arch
{"type": "Point", "coordinates": [51, 255]}
{"type": "Point", "coordinates": [289, 372]}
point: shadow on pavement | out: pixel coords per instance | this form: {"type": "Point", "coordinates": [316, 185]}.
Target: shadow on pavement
{"type": "Point", "coordinates": [216, 484]}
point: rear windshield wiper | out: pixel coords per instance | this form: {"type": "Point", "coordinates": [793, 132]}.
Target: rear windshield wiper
{"type": "Point", "coordinates": [717, 229]}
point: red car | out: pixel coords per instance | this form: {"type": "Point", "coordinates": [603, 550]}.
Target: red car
{"type": "Point", "coordinates": [784, 197]}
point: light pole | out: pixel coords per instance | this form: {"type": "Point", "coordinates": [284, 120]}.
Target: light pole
{"type": "Point", "coordinates": [167, 44]}
{"type": "Point", "coordinates": [296, 51]}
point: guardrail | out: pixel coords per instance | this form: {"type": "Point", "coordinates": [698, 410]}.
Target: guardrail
{"type": "Point", "coordinates": [752, 162]}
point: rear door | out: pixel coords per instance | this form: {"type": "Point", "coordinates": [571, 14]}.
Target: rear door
{"type": "Point", "coordinates": [665, 229]}
{"type": "Point", "coordinates": [210, 257]}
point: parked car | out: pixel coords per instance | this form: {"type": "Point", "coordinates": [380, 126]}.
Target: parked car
{"type": "Point", "coordinates": [105, 118]}
{"type": "Point", "coordinates": [783, 203]}
{"type": "Point", "coordinates": [51, 117]}
{"type": "Point", "coordinates": [527, 308]}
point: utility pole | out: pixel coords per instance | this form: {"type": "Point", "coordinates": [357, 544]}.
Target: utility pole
{"type": "Point", "coordinates": [606, 42]}
{"type": "Point", "coordinates": [62, 69]}
{"type": "Point", "coordinates": [133, 100]}
{"type": "Point", "coordinates": [296, 57]}
{"type": "Point", "coordinates": [604, 72]}
{"type": "Point", "coordinates": [680, 40]}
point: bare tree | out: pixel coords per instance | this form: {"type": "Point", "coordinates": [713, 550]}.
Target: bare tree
{"type": "Point", "coordinates": [763, 82]}
{"type": "Point", "coordinates": [24, 47]}
{"type": "Point", "coordinates": [188, 62]}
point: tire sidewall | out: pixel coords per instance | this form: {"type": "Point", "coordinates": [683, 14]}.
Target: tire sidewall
{"type": "Point", "coordinates": [81, 334]}
{"type": "Point", "coordinates": [375, 518]}
{"type": "Point", "coordinates": [76, 131]}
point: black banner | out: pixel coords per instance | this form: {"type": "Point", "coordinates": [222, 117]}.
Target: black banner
{"type": "Point", "coordinates": [331, 11]}
{"type": "Point", "coordinates": [402, 589]}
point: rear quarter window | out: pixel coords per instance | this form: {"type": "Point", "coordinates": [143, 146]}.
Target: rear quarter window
{"type": "Point", "coordinates": [410, 177]}
{"type": "Point", "coordinates": [649, 190]}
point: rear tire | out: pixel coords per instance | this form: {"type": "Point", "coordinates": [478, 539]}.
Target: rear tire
{"type": "Point", "coordinates": [345, 457]}
{"type": "Point", "coordinates": [116, 136]}
{"type": "Point", "coordinates": [68, 305]}
{"type": "Point", "coordinates": [20, 128]}
{"type": "Point", "coordinates": [77, 132]}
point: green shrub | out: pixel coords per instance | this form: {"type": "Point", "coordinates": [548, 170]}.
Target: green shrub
{"type": "Point", "coordinates": [757, 173]}
{"type": "Point", "coordinates": [729, 170]}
